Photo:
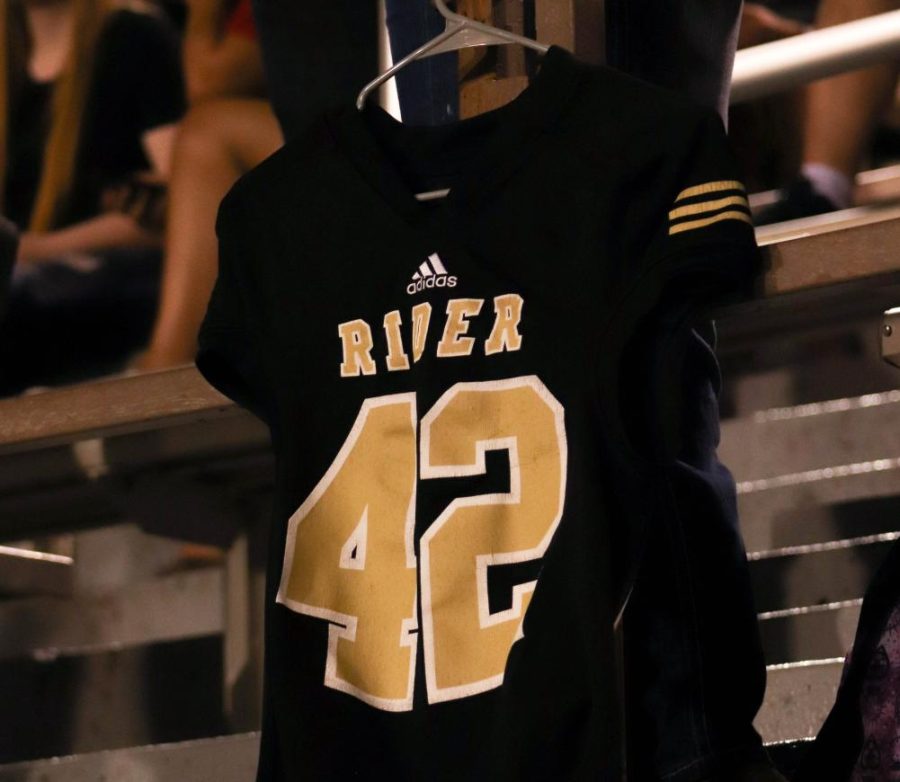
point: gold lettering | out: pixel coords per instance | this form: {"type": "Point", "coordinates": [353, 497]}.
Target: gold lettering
{"type": "Point", "coordinates": [454, 342]}
{"type": "Point", "coordinates": [421, 317]}
{"type": "Point", "coordinates": [396, 357]}
{"type": "Point", "coordinates": [356, 340]}
{"type": "Point", "coordinates": [505, 334]}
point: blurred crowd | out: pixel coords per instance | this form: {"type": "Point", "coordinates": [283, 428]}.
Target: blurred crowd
{"type": "Point", "coordinates": [124, 123]}
{"type": "Point", "coordinates": [123, 126]}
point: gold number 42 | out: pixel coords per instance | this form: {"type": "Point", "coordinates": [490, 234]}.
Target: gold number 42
{"type": "Point", "coordinates": [350, 555]}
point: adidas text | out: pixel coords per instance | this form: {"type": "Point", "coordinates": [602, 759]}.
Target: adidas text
{"type": "Point", "coordinates": [431, 274]}
{"type": "Point", "coordinates": [442, 281]}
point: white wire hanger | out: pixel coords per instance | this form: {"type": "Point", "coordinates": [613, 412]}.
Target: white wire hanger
{"type": "Point", "coordinates": [460, 32]}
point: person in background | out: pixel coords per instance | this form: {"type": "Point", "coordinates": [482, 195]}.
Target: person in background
{"type": "Point", "coordinates": [231, 127]}
{"type": "Point", "coordinates": [88, 105]}
{"type": "Point", "coordinates": [320, 53]}
{"type": "Point", "coordinates": [228, 130]}
{"type": "Point", "coordinates": [762, 24]}
{"type": "Point", "coordinates": [841, 116]}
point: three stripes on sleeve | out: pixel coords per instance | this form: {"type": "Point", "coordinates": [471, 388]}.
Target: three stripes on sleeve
{"type": "Point", "coordinates": [711, 202]}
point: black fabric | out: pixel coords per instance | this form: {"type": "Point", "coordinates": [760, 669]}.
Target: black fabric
{"type": "Point", "coordinates": [64, 325]}
{"type": "Point", "coordinates": [137, 85]}
{"type": "Point", "coordinates": [320, 53]}
{"type": "Point", "coordinates": [563, 198]}
{"type": "Point", "coordinates": [317, 54]}
{"type": "Point", "coordinates": [688, 46]}
{"type": "Point", "coordinates": [9, 242]}
{"type": "Point", "coordinates": [28, 126]}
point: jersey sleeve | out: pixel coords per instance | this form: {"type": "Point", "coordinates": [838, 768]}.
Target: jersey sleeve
{"type": "Point", "coordinates": [703, 248]}
{"type": "Point", "coordinates": [698, 252]}
{"type": "Point", "coordinates": [230, 353]}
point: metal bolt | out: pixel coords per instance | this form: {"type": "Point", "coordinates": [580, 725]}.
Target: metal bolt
{"type": "Point", "coordinates": [888, 329]}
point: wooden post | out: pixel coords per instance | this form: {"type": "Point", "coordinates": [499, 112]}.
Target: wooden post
{"type": "Point", "coordinates": [492, 76]}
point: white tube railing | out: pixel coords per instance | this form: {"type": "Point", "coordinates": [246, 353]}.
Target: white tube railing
{"type": "Point", "coordinates": [771, 67]}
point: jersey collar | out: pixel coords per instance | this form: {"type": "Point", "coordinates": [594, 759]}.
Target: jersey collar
{"type": "Point", "coordinates": [518, 125]}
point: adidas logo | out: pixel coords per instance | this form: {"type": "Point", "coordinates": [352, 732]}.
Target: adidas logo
{"type": "Point", "coordinates": [431, 274]}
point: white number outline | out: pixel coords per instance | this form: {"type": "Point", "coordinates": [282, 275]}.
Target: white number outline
{"type": "Point", "coordinates": [438, 694]}
{"type": "Point", "coordinates": [343, 626]}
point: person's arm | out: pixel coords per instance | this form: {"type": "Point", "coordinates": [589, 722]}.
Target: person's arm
{"type": "Point", "coordinates": [217, 62]}
{"type": "Point", "coordinates": [158, 144]}
{"type": "Point", "coordinates": [140, 72]}
{"type": "Point", "coordinates": [108, 231]}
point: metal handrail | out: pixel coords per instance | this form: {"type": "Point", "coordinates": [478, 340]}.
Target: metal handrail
{"type": "Point", "coordinates": [771, 67]}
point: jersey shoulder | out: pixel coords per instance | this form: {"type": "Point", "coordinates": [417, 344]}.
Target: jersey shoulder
{"type": "Point", "coordinates": [291, 172]}
{"type": "Point", "coordinates": [636, 104]}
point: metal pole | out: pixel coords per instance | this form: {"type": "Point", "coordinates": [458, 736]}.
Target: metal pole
{"type": "Point", "coordinates": [771, 67]}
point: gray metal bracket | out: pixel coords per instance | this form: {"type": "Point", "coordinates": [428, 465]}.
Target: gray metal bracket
{"type": "Point", "coordinates": [890, 336]}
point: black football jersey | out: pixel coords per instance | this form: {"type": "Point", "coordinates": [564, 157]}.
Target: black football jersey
{"type": "Point", "coordinates": [453, 428]}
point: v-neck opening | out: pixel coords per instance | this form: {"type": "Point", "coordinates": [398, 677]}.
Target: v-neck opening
{"type": "Point", "coordinates": [370, 137]}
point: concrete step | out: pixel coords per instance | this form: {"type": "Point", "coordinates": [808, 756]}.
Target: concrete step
{"type": "Point", "coordinates": [89, 700]}
{"type": "Point", "coordinates": [817, 574]}
{"type": "Point", "coordinates": [49, 491]}
{"type": "Point", "coordinates": [809, 632]}
{"type": "Point", "coordinates": [810, 512]}
{"type": "Point", "coordinates": [220, 759]}
{"type": "Point", "coordinates": [180, 606]}
{"type": "Point", "coordinates": [798, 445]}
{"type": "Point", "coordinates": [799, 697]}
{"type": "Point", "coordinates": [793, 465]}
{"type": "Point", "coordinates": [810, 523]}
{"type": "Point", "coordinates": [131, 452]}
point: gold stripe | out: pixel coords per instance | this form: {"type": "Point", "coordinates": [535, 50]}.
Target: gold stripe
{"type": "Point", "coordinates": [693, 224]}
{"type": "Point", "coordinates": [711, 187]}
{"type": "Point", "coordinates": [707, 206]}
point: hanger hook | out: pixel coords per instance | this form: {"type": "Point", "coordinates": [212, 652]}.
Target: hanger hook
{"type": "Point", "coordinates": [441, 7]}
{"type": "Point", "coordinates": [444, 10]}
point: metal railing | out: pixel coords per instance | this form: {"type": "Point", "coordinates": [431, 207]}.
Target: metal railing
{"type": "Point", "coordinates": [771, 67]}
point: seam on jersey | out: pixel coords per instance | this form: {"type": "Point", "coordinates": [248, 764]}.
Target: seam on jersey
{"type": "Point", "coordinates": [635, 288]}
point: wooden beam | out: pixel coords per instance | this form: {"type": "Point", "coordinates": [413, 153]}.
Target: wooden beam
{"type": "Point", "coordinates": [109, 406]}
{"type": "Point", "coordinates": [576, 25]}
{"type": "Point", "coordinates": [489, 81]}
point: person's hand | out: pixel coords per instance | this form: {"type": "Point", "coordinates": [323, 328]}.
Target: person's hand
{"type": "Point", "coordinates": [760, 25]}
{"type": "Point", "coordinates": [37, 247]}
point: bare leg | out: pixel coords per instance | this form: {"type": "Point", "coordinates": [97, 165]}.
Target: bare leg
{"type": "Point", "coordinates": [839, 119]}
{"type": "Point", "coordinates": [842, 111]}
{"type": "Point", "coordinates": [219, 140]}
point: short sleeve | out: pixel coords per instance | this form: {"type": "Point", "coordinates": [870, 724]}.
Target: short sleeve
{"type": "Point", "coordinates": [704, 242]}
{"type": "Point", "coordinates": [699, 253]}
{"type": "Point", "coordinates": [230, 344]}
